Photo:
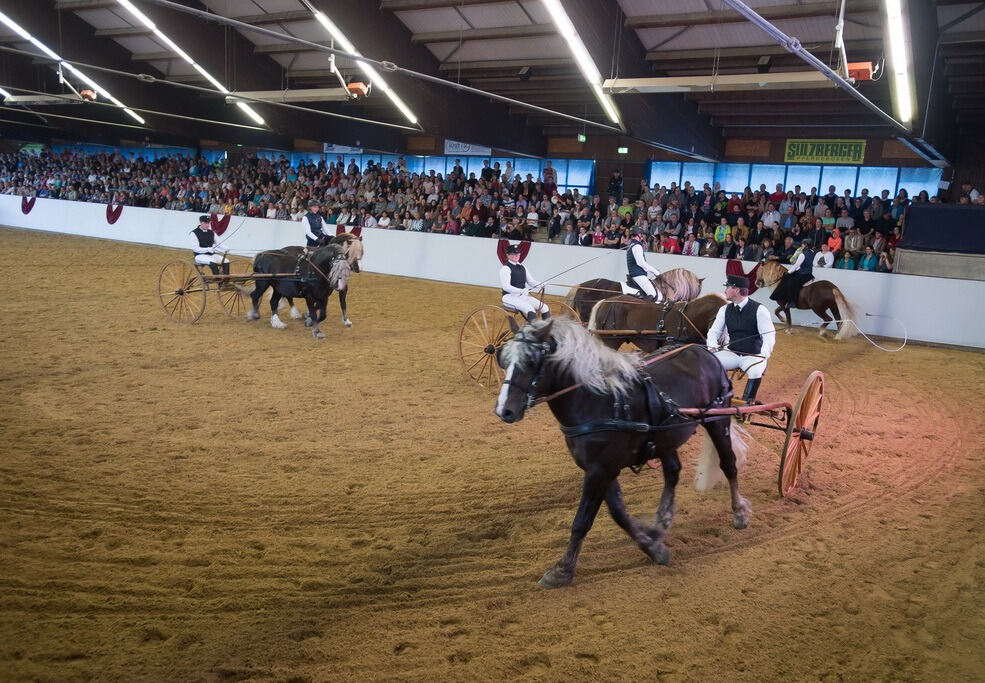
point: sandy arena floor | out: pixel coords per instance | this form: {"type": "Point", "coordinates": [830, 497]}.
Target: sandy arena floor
{"type": "Point", "coordinates": [225, 501]}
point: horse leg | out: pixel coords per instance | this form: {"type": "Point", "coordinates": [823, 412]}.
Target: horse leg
{"type": "Point", "coordinates": [259, 287]}
{"type": "Point", "coordinates": [719, 432]}
{"type": "Point", "coordinates": [786, 318]}
{"type": "Point", "coordinates": [295, 313]}
{"type": "Point", "coordinates": [671, 465]}
{"type": "Point", "coordinates": [593, 489]}
{"type": "Point", "coordinates": [345, 317]}
{"type": "Point", "coordinates": [822, 313]}
{"type": "Point", "coordinates": [313, 316]}
{"type": "Point", "coordinates": [649, 539]}
{"type": "Point", "coordinates": [275, 320]}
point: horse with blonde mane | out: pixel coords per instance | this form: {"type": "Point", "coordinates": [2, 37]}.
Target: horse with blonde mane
{"type": "Point", "coordinates": [677, 284]}
{"type": "Point", "coordinates": [616, 412]}
{"type": "Point", "coordinates": [820, 296]}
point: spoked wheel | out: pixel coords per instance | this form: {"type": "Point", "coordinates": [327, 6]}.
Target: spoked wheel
{"type": "Point", "coordinates": [561, 308]}
{"type": "Point", "coordinates": [801, 429]}
{"type": "Point", "coordinates": [483, 333]}
{"type": "Point", "coordinates": [234, 295]}
{"type": "Point", "coordinates": [181, 289]}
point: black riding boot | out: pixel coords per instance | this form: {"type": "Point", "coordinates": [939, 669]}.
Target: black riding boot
{"type": "Point", "coordinates": [531, 316]}
{"type": "Point", "coordinates": [752, 386]}
{"type": "Point", "coordinates": [545, 316]}
{"type": "Point", "coordinates": [225, 268]}
{"type": "Point", "coordinates": [214, 268]}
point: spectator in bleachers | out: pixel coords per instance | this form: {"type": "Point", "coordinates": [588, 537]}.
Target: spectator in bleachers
{"type": "Point", "coordinates": [853, 242]}
{"type": "Point", "coordinates": [886, 260]}
{"type": "Point", "coordinates": [845, 262]}
{"type": "Point", "coordinates": [691, 246]}
{"type": "Point", "coordinates": [869, 260]}
{"type": "Point", "coordinates": [824, 259]}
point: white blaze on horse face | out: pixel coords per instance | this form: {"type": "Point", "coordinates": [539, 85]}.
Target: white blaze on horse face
{"type": "Point", "coordinates": [504, 391]}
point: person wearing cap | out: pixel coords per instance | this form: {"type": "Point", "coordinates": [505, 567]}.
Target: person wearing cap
{"type": "Point", "coordinates": [516, 282]}
{"type": "Point", "coordinates": [747, 332]}
{"type": "Point", "coordinates": [637, 266]}
{"type": "Point", "coordinates": [316, 234]}
{"type": "Point", "coordinates": [787, 292]}
{"type": "Point", "coordinates": [205, 248]}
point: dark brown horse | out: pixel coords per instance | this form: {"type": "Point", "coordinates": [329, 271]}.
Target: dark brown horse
{"type": "Point", "coordinates": [684, 321]}
{"type": "Point", "coordinates": [819, 296]}
{"type": "Point", "coordinates": [546, 357]}
{"type": "Point", "coordinates": [677, 284]}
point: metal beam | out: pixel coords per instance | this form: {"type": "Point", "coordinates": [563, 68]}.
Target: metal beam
{"type": "Point", "coordinates": [780, 107]}
{"type": "Point", "coordinates": [276, 17]}
{"type": "Point", "coordinates": [74, 5]}
{"type": "Point", "coordinates": [122, 32]}
{"type": "Point", "coordinates": [962, 37]}
{"type": "Point", "coordinates": [814, 132]}
{"type": "Point", "coordinates": [785, 81]}
{"type": "Point", "coordinates": [751, 51]}
{"type": "Point", "coordinates": [533, 63]}
{"type": "Point", "coordinates": [408, 5]}
{"type": "Point", "coordinates": [284, 48]}
{"type": "Point", "coordinates": [828, 8]}
{"type": "Point", "coordinates": [153, 56]}
{"type": "Point", "coordinates": [498, 33]}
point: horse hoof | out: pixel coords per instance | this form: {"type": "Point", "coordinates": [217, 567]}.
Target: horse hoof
{"type": "Point", "coordinates": [554, 578]}
{"type": "Point", "coordinates": [658, 553]}
{"type": "Point", "coordinates": [740, 517]}
{"type": "Point", "coordinates": [307, 322]}
{"type": "Point", "coordinates": [252, 315]}
{"type": "Point", "coordinates": [347, 323]}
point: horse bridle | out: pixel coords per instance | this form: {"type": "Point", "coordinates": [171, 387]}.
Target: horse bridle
{"type": "Point", "coordinates": [541, 351]}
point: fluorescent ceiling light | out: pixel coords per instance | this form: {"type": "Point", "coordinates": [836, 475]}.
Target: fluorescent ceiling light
{"type": "Point", "coordinates": [4, 93]}
{"type": "Point", "coordinates": [897, 60]}
{"type": "Point", "coordinates": [13, 25]}
{"type": "Point", "coordinates": [173, 46]}
{"type": "Point", "coordinates": [367, 69]}
{"type": "Point", "coordinates": [582, 58]}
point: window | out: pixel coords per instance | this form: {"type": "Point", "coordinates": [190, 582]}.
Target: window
{"type": "Point", "coordinates": [768, 175]}
{"type": "Point", "coordinates": [524, 166]}
{"type": "Point", "coordinates": [913, 180]}
{"type": "Point", "coordinates": [698, 174]}
{"type": "Point", "coordinates": [663, 173]}
{"type": "Point", "coordinates": [581, 175]}
{"type": "Point", "coordinates": [414, 164]}
{"type": "Point", "coordinates": [875, 179]}
{"type": "Point", "coordinates": [842, 177]}
{"type": "Point", "coordinates": [805, 176]}
{"type": "Point", "coordinates": [732, 177]}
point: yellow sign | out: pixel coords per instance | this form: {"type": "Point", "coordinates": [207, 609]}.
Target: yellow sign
{"type": "Point", "coordinates": [800, 151]}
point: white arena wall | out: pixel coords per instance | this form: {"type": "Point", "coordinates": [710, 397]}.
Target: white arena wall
{"type": "Point", "coordinates": [939, 310]}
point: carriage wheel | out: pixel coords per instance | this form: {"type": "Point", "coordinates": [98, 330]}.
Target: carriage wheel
{"type": "Point", "coordinates": [181, 289]}
{"type": "Point", "coordinates": [561, 308]}
{"type": "Point", "coordinates": [234, 295]}
{"type": "Point", "coordinates": [483, 333]}
{"type": "Point", "coordinates": [801, 429]}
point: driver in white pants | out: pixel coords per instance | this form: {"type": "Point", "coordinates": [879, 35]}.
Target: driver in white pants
{"type": "Point", "coordinates": [516, 283]}
{"type": "Point", "coordinates": [750, 335]}
{"type": "Point", "coordinates": [205, 248]}
{"type": "Point", "coordinates": [639, 270]}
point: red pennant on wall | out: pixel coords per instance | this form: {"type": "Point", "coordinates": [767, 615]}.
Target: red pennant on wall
{"type": "Point", "coordinates": [113, 215]}
{"type": "Point", "coordinates": [734, 267]}
{"type": "Point", "coordinates": [219, 225]}
{"type": "Point", "coordinates": [501, 250]}
{"type": "Point", "coordinates": [27, 203]}
{"type": "Point", "coordinates": [340, 229]}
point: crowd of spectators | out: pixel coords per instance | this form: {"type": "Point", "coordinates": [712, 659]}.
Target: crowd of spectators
{"type": "Point", "coordinates": [851, 232]}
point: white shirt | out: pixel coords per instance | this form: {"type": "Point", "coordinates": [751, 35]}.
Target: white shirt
{"type": "Point", "coordinates": [637, 251]}
{"type": "Point", "coordinates": [825, 260]}
{"type": "Point", "coordinates": [764, 325]}
{"type": "Point", "coordinates": [504, 280]}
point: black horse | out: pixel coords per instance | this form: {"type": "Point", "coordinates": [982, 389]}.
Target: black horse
{"type": "Point", "coordinates": [619, 412]}
{"type": "Point", "coordinates": [352, 246]}
{"type": "Point", "coordinates": [314, 276]}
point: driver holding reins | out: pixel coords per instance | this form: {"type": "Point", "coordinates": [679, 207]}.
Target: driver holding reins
{"type": "Point", "coordinates": [516, 283]}
{"type": "Point", "coordinates": [205, 248]}
{"type": "Point", "coordinates": [750, 337]}
{"type": "Point", "coordinates": [316, 234]}
{"type": "Point", "coordinates": [638, 267]}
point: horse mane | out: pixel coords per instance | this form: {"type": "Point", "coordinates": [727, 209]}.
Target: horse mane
{"type": "Point", "coordinates": [581, 354]}
{"type": "Point", "coordinates": [771, 272]}
{"type": "Point", "coordinates": [682, 284]}
{"type": "Point", "coordinates": [352, 246]}
{"type": "Point", "coordinates": [338, 274]}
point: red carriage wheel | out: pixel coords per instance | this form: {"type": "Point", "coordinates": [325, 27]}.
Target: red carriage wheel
{"type": "Point", "coordinates": [801, 429]}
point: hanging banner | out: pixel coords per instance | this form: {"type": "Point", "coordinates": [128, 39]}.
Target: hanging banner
{"type": "Point", "coordinates": [341, 149]}
{"type": "Point", "coordinates": [800, 151]}
{"type": "Point", "coordinates": [466, 149]}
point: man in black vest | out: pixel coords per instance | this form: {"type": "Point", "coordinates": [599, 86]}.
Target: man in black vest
{"type": "Point", "coordinates": [205, 248]}
{"type": "Point", "coordinates": [516, 282]}
{"type": "Point", "coordinates": [638, 269]}
{"type": "Point", "coordinates": [749, 335]}
{"type": "Point", "coordinates": [316, 234]}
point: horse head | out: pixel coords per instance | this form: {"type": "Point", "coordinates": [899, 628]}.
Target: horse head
{"type": "Point", "coordinates": [352, 247]}
{"type": "Point", "coordinates": [523, 358]}
{"type": "Point", "coordinates": [769, 273]}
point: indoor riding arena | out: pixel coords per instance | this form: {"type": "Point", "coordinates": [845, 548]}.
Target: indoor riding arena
{"type": "Point", "coordinates": [395, 476]}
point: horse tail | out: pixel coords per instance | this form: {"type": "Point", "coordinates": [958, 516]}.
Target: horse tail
{"type": "Point", "coordinates": [709, 471]}
{"type": "Point", "coordinates": [572, 295]}
{"type": "Point", "coordinates": [593, 318]}
{"type": "Point", "coordinates": [845, 311]}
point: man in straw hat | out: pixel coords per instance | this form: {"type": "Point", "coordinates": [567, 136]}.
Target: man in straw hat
{"type": "Point", "coordinates": [516, 283]}
{"type": "Point", "coordinates": [749, 335]}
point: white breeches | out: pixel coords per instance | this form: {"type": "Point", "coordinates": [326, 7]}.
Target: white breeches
{"type": "Point", "coordinates": [525, 304]}
{"type": "Point", "coordinates": [643, 282]}
{"type": "Point", "coordinates": [205, 259]}
{"type": "Point", "coordinates": [753, 366]}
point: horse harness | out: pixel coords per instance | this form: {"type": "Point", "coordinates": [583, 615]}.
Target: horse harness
{"type": "Point", "coordinates": [662, 411]}
{"type": "Point", "coordinates": [305, 258]}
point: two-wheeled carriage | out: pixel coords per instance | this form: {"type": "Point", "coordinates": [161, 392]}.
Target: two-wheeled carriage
{"type": "Point", "coordinates": [183, 287]}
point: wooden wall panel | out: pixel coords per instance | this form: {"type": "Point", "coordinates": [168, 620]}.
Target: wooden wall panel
{"type": "Point", "coordinates": [420, 144]}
